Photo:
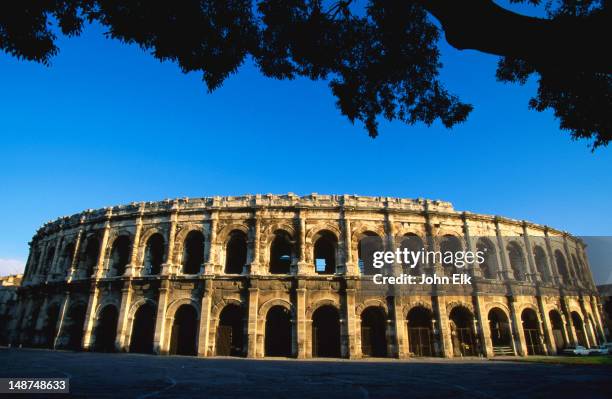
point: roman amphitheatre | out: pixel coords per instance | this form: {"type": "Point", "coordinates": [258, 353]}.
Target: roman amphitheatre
{"type": "Point", "coordinates": [285, 276]}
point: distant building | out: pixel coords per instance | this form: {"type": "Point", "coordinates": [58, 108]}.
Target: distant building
{"type": "Point", "coordinates": [8, 299]}
{"type": "Point", "coordinates": [605, 291]}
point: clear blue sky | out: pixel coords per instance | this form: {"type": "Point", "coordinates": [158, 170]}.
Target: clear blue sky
{"type": "Point", "coordinates": [108, 124]}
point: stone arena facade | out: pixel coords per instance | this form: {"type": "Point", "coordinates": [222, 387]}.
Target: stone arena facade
{"type": "Point", "coordinates": [282, 275]}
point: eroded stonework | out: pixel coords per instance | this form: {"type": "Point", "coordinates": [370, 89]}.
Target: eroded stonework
{"type": "Point", "coordinates": [281, 275]}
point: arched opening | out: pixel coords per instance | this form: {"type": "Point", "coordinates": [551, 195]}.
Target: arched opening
{"type": "Point", "coordinates": [374, 332]}
{"type": "Point", "coordinates": [325, 252]}
{"type": "Point", "coordinates": [579, 329]}
{"type": "Point", "coordinates": [230, 332]}
{"type": "Point", "coordinates": [489, 266]}
{"type": "Point", "coordinates": [75, 325]}
{"type": "Point", "coordinates": [143, 329]}
{"type": "Point", "coordinates": [49, 260]}
{"type": "Point", "coordinates": [541, 264]}
{"type": "Point", "coordinates": [369, 243]}
{"type": "Point", "coordinates": [67, 255]}
{"type": "Point", "coordinates": [326, 332]}
{"type": "Point", "coordinates": [517, 261]}
{"type": "Point", "coordinates": [154, 254]}
{"type": "Point", "coordinates": [449, 244]}
{"type": "Point", "coordinates": [184, 331]}
{"type": "Point", "coordinates": [50, 328]}
{"type": "Point", "coordinates": [531, 329]}
{"type": "Point", "coordinates": [236, 252]}
{"type": "Point", "coordinates": [281, 251]}
{"type": "Point", "coordinates": [562, 267]}
{"type": "Point", "coordinates": [106, 330]}
{"type": "Point", "coordinates": [193, 252]}
{"type": "Point", "coordinates": [120, 255]}
{"type": "Point", "coordinates": [558, 333]}
{"type": "Point", "coordinates": [463, 335]}
{"type": "Point", "coordinates": [501, 336]}
{"type": "Point", "coordinates": [420, 333]}
{"type": "Point", "coordinates": [577, 269]}
{"type": "Point", "coordinates": [413, 244]}
{"type": "Point", "coordinates": [92, 250]}
{"type": "Point", "coordinates": [278, 332]}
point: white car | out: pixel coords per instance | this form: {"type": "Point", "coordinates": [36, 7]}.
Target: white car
{"type": "Point", "coordinates": [576, 350]}
{"type": "Point", "coordinates": [600, 350]}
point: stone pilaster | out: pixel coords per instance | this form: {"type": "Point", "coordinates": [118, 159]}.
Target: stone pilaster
{"type": "Point", "coordinates": [532, 270]}
{"type": "Point", "coordinates": [159, 338]}
{"type": "Point", "coordinates": [252, 322]}
{"type": "Point", "coordinates": [168, 266]}
{"type": "Point", "coordinates": [205, 348]}
{"type": "Point", "coordinates": [517, 328]}
{"type": "Point", "coordinates": [443, 327]}
{"type": "Point", "coordinates": [302, 331]}
{"type": "Point", "coordinates": [122, 339]}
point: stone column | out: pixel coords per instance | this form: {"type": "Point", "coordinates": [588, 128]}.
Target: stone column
{"type": "Point", "coordinates": [74, 262]}
{"type": "Point", "coordinates": [552, 263]}
{"type": "Point", "coordinates": [517, 327]}
{"type": "Point", "coordinates": [597, 310]}
{"type": "Point", "coordinates": [572, 268]}
{"type": "Point", "coordinates": [400, 327]}
{"type": "Point", "coordinates": [507, 272]}
{"type": "Point", "coordinates": [210, 267]}
{"type": "Point", "coordinates": [303, 267]}
{"type": "Point", "coordinates": [533, 274]}
{"type": "Point", "coordinates": [205, 348]}
{"type": "Point", "coordinates": [302, 332]}
{"type": "Point", "coordinates": [354, 349]}
{"type": "Point", "coordinates": [549, 339]}
{"type": "Point", "coordinates": [168, 266]}
{"type": "Point", "coordinates": [134, 265]}
{"type": "Point", "coordinates": [37, 276]}
{"type": "Point", "coordinates": [160, 319]}
{"type": "Point", "coordinates": [100, 265]}
{"type": "Point", "coordinates": [571, 332]}
{"type": "Point", "coordinates": [56, 255]}
{"type": "Point", "coordinates": [123, 333]}
{"type": "Point", "coordinates": [252, 322]}
{"type": "Point", "coordinates": [588, 327]}
{"type": "Point", "coordinates": [255, 267]}
{"type": "Point", "coordinates": [443, 330]}
{"type": "Point", "coordinates": [59, 328]}
{"type": "Point", "coordinates": [90, 316]}
{"type": "Point", "coordinates": [484, 329]}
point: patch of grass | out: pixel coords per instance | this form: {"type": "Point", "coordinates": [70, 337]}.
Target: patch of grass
{"type": "Point", "coordinates": [577, 360]}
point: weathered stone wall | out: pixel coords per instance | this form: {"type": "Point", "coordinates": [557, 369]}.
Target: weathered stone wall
{"type": "Point", "coordinates": [105, 259]}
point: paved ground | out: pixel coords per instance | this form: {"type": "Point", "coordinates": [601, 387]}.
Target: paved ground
{"type": "Point", "coordinates": [144, 376]}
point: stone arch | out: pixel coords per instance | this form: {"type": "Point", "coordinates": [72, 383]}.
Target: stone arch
{"type": "Point", "coordinates": [154, 253]}
{"type": "Point", "coordinates": [106, 302]}
{"type": "Point", "coordinates": [463, 334]}
{"type": "Point", "coordinates": [174, 305]}
{"type": "Point", "coordinates": [182, 231]}
{"type": "Point", "coordinates": [141, 326]}
{"type": "Point", "coordinates": [184, 330]}
{"type": "Point", "coordinates": [413, 243]}
{"type": "Point", "coordinates": [324, 252]}
{"type": "Point", "coordinates": [322, 302]}
{"type": "Point", "coordinates": [419, 322]}
{"type": "Point", "coordinates": [265, 307]}
{"type": "Point", "coordinates": [90, 254]}
{"type": "Point", "coordinates": [278, 330]}
{"type": "Point", "coordinates": [326, 330]}
{"type": "Point", "coordinates": [224, 234]}
{"type": "Point", "coordinates": [368, 242]}
{"type": "Point", "coordinates": [557, 326]}
{"type": "Point", "coordinates": [374, 334]}
{"type": "Point", "coordinates": [562, 267]}
{"type": "Point", "coordinates": [530, 320]}
{"type": "Point", "coordinates": [269, 231]}
{"type": "Point", "coordinates": [219, 306]}
{"type": "Point", "coordinates": [500, 305]}
{"type": "Point", "coordinates": [316, 229]}
{"type": "Point", "coordinates": [235, 252]}
{"type": "Point", "coordinates": [119, 254]}
{"type": "Point", "coordinates": [229, 328]}
{"type": "Point", "coordinates": [516, 256]}
{"type": "Point", "coordinates": [578, 322]}
{"type": "Point", "coordinates": [144, 238]}
{"type": "Point", "coordinates": [456, 304]}
{"type": "Point", "coordinates": [449, 243]}
{"type": "Point", "coordinates": [105, 331]}
{"type": "Point", "coordinates": [490, 267]}
{"type": "Point", "coordinates": [499, 329]}
{"type": "Point", "coordinates": [541, 262]}
{"type": "Point", "coordinates": [75, 322]}
{"type": "Point", "coordinates": [192, 257]}
{"type": "Point", "coordinates": [280, 251]}
{"type": "Point", "coordinates": [422, 304]}
{"type": "Point", "coordinates": [372, 303]}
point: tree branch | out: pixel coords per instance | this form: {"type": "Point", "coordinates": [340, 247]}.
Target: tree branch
{"type": "Point", "coordinates": [565, 43]}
